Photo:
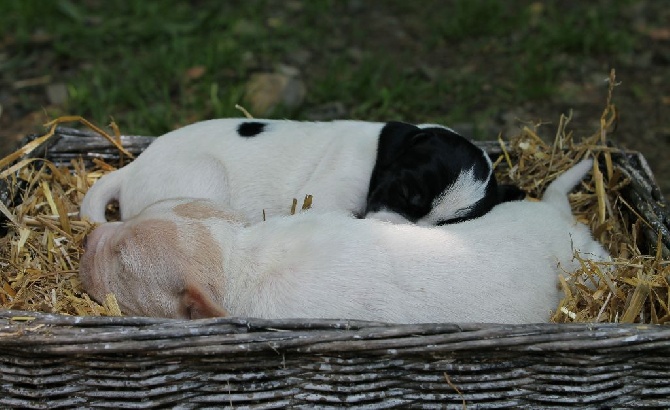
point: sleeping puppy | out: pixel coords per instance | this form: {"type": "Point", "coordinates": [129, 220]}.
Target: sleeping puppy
{"type": "Point", "coordinates": [186, 258]}
{"type": "Point", "coordinates": [424, 173]}
{"type": "Point", "coordinates": [433, 177]}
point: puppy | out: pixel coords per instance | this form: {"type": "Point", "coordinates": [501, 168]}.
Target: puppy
{"type": "Point", "coordinates": [423, 173]}
{"type": "Point", "coordinates": [185, 258]}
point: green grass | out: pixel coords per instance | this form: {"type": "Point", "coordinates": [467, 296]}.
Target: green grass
{"type": "Point", "coordinates": [128, 60]}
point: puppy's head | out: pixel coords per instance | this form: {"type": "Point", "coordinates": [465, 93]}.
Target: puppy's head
{"type": "Point", "coordinates": [165, 262]}
{"type": "Point", "coordinates": [432, 176]}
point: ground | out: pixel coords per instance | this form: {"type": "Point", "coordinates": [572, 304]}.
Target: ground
{"type": "Point", "coordinates": [481, 66]}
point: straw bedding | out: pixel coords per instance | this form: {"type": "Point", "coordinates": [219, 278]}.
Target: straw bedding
{"type": "Point", "coordinates": [40, 251]}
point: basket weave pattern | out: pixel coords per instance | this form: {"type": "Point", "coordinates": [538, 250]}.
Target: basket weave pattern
{"type": "Point", "coordinates": [59, 361]}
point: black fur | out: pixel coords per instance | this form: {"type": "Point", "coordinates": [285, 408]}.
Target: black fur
{"type": "Point", "coordinates": [415, 166]}
{"type": "Point", "coordinates": [250, 129]}
{"type": "Point", "coordinates": [507, 193]}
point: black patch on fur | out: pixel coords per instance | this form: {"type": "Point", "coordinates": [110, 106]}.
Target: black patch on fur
{"type": "Point", "coordinates": [507, 193]}
{"type": "Point", "coordinates": [250, 129]}
{"type": "Point", "coordinates": [415, 166]}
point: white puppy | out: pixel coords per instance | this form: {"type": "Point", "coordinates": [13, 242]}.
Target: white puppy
{"type": "Point", "coordinates": [424, 173]}
{"type": "Point", "coordinates": [193, 258]}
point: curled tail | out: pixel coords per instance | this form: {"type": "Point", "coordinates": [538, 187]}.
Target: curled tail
{"type": "Point", "coordinates": [105, 190]}
{"type": "Point", "coordinates": [556, 193]}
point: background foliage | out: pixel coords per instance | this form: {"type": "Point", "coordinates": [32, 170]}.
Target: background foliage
{"type": "Point", "coordinates": [481, 66]}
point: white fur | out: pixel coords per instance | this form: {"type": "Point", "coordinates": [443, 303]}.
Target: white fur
{"type": "Point", "coordinates": [262, 173]}
{"type": "Point", "coordinates": [458, 197]}
{"type": "Point", "coordinates": [332, 161]}
{"type": "Point", "coordinates": [501, 267]}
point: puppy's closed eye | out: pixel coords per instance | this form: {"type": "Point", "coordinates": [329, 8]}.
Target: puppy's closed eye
{"type": "Point", "coordinates": [415, 200]}
{"type": "Point", "coordinates": [409, 199]}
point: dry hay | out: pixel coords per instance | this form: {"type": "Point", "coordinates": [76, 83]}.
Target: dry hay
{"type": "Point", "coordinates": [40, 254]}
{"type": "Point", "coordinates": [634, 287]}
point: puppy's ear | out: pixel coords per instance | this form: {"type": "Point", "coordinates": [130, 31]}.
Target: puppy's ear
{"type": "Point", "coordinates": [507, 193]}
{"type": "Point", "coordinates": [394, 140]}
{"type": "Point", "coordinates": [420, 137]}
{"type": "Point", "coordinates": [197, 304]}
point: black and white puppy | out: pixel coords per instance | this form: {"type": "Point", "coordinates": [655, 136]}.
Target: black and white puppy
{"type": "Point", "coordinates": [426, 174]}
{"type": "Point", "coordinates": [432, 176]}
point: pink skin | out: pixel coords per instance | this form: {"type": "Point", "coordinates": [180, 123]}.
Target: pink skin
{"type": "Point", "coordinates": [153, 267]}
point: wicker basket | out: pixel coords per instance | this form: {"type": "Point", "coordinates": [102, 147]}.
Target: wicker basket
{"type": "Point", "coordinates": [55, 361]}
